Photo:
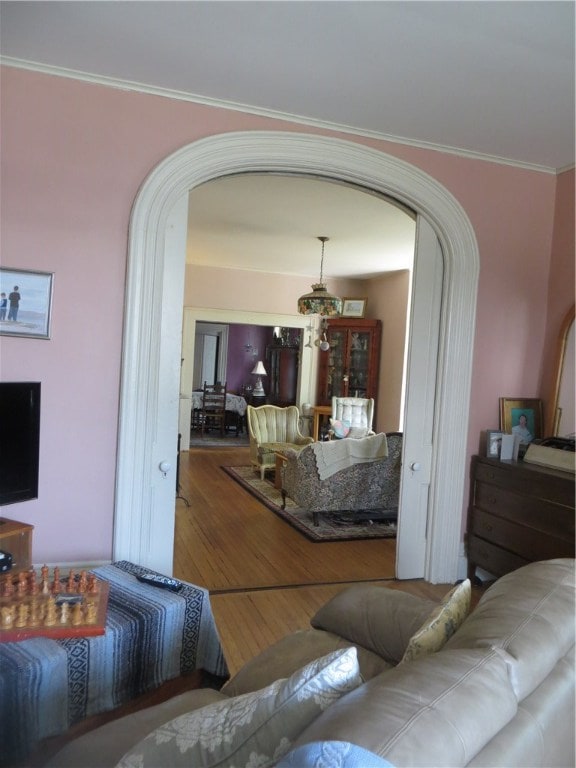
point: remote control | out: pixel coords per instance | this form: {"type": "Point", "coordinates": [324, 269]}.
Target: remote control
{"type": "Point", "coordinates": [160, 581]}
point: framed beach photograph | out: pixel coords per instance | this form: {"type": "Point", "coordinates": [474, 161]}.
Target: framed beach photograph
{"type": "Point", "coordinates": [354, 307]}
{"type": "Point", "coordinates": [522, 417]}
{"type": "Point", "coordinates": [493, 443]}
{"type": "Point", "coordinates": [25, 303]}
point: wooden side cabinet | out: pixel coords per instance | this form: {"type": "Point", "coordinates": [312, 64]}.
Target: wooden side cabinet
{"type": "Point", "coordinates": [518, 513]}
{"type": "Point", "coordinates": [16, 538]}
{"type": "Point", "coordinates": [283, 363]}
{"type": "Point", "coordinates": [350, 367]}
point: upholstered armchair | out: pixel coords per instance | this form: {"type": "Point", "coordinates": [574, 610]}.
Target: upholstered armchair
{"type": "Point", "coordinates": [352, 416]}
{"type": "Point", "coordinates": [272, 429]}
{"type": "Point", "coordinates": [369, 488]}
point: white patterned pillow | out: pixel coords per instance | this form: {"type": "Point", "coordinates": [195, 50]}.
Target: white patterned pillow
{"type": "Point", "coordinates": [255, 729]}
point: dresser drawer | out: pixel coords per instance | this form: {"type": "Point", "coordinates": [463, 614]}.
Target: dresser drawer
{"type": "Point", "coordinates": [536, 513]}
{"type": "Point", "coordinates": [528, 481]}
{"type": "Point", "coordinates": [494, 559]}
{"type": "Point", "coordinates": [522, 540]}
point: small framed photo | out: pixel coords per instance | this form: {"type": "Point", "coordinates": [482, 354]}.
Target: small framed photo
{"type": "Point", "coordinates": [354, 307]}
{"type": "Point", "coordinates": [25, 303]}
{"type": "Point", "coordinates": [522, 417]}
{"type": "Point", "coordinates": [493, 443]}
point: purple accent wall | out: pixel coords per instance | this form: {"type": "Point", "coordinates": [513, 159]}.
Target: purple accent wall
{"type": "Point", "coordinates": [241, 360]}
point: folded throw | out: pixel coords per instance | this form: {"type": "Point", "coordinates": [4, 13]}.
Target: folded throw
{"type": "Point", "coordinates": [334, 455]}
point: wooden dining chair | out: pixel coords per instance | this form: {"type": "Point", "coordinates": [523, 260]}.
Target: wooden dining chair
{"type": "Point", "coordinates": [214, 407]}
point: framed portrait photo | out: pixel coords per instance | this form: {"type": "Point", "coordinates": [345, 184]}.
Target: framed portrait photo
{"type": "Point", "coordinates": [493, 443]}
{"type": "Point", "coordinates": [354, 307]}
{"type": "Point", "coordinates": [25, 303]}
{"type": "Point", "coordinates": [522, 417]}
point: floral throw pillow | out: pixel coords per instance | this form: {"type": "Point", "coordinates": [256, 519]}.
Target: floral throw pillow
{"type": "Point", "coordinates": [340, 428]}
{"type": "Point", "coordinates": [255, 729]}
{"type": "Point", "coordinates": [441, 623]}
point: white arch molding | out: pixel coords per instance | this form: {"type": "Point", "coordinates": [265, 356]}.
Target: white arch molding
{"type": "Point", "coordinates": [150, 366]}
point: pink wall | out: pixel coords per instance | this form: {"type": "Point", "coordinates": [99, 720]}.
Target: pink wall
{"type": "Point", "coordinates": [73, 157]}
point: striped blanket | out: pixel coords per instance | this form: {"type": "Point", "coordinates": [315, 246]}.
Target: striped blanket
{"type": "Point", "coordinates": [152, 635]}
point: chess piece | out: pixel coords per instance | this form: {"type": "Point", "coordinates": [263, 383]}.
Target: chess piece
{"type": "Point", "coordinates": [71, 585]}
{"type": "Point", "coordinates": [92, 584]}
{"type": "Point", "coordinates": [8, 590]}
{"type": "Point", "coordinates": [83, 583]}
{"type": "Point", "coordinates": [77, 616]}
{"type": "Point", "coordinates": [64, 613]}
{"type": "Point", "coordinates": [56, 582]}
{"type": "Point", "coordinates": [50, 618]}
{"type": "Point", "coordinates": [21, 587]}
{"type": "Point", "coordinates": [7, 614]}
{"type": "Point", "coordinates": [22, 615]}
{"type": "Point", "coordinates": [35, 614]}
{"type": "Point", "coordinates": [44, 573]}
{"type": "Point", "coordinates": [91, 612]}
{"type": "Point", "coordinates": [32, 584]}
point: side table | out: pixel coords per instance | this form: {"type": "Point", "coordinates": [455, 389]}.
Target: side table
{"type": "Point", "coordinates": [152, 636]}
{"type": "Point", "coordinates": [319, 412]}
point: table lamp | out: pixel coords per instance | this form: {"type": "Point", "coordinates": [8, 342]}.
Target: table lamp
{"type": "Point", "coordinates": [259, 371]}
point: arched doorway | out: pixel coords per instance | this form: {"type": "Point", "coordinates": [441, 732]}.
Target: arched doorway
{"type": "Point", "coordinates": [150, 368]}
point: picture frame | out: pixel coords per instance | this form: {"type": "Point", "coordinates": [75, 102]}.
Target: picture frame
{"type": "Point", "coordinates": [521, 416]}
{"type": "Point", "coordinates": [27, 315]}
{"type": "Point", "coordinates": [354, 307]}
{"type": "Point", "coordinates": [493, 443]}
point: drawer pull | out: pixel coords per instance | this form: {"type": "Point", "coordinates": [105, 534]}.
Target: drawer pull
{"type": "Point", "coordinates": [487, 527]}
{"type": "Point", "coordinates": [492, 500]}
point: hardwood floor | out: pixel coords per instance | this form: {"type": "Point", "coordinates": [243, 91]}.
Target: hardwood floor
{"type": "Point", "coordinates": [265, 579]}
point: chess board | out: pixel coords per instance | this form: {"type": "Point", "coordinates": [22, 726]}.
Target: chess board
{"type": "Point", "coordinates": [49, 605]}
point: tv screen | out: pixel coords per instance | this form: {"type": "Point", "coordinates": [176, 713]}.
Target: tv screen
{"type": "Point", "coordinates": [19, 440]}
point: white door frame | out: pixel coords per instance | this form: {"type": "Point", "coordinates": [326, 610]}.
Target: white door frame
{"type": "Point", "coordinates": [151, 264]}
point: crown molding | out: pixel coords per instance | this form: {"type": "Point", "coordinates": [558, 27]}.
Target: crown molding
{"type": "Point", "coordinates": [129, 85]}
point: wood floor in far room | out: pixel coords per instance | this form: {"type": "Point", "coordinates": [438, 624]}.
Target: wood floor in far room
{"type": "Point", "coordinates": [265, 579]}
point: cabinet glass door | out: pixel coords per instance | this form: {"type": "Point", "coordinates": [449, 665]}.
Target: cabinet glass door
{"type": "Point", "coordinates": [358, 365]}
{"type": "Point", "coordinates": [336, 376]}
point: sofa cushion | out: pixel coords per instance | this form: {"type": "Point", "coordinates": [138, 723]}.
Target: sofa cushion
{"type": "Point", "coordinates": [104, 746]}
{"type": "Point", "coordinates": [441, 624]}
{"type": "Point", "coordinates": [291, 653]}
{"type": "Point", "coordinates": [377, 618]}
{"type": "Point", "coordinates": [254, 729]}
{"type": "Point", "coordinates": [439, 710]}
{"type": "Point", "coordinates": [530, 614]}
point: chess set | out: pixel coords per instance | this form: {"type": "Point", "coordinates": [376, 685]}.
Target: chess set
{"type": "Point", "coordinates": [44, 605]}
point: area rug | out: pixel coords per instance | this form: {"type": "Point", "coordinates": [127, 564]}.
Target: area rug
{"type": "Point", "coordinates": [334, 526]}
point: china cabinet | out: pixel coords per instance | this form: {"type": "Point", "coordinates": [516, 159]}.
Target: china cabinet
{"type": "Point", "coordinates": [350, 367]}
{"type": "Point", "coordinates": [283, 364]}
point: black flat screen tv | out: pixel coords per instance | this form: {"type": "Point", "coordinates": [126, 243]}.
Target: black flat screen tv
{"type": "Point", "coordinates": [19, 440]}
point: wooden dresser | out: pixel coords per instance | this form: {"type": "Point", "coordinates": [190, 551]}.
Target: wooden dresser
{"type": "Point", "coordinates": [518, 513]}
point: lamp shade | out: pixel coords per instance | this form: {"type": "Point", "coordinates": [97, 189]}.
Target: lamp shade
{"type": "Point", "coordinates": [319, 301]}
{"type": "Point", "coordinates": [259, 369]}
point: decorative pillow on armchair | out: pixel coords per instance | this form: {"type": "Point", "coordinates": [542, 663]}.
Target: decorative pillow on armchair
{"type": "Point", "coordinates": [340, 428]}
{"type": "Point", "coordinates": [255, 729]}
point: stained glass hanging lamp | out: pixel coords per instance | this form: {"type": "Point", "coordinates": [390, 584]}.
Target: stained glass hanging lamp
{"type": "Point", "coordinates": [320, 302]}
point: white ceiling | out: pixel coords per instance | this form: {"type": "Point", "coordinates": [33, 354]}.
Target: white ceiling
{"type": "Point", "coordinates": [486, 79]}
{"type": "Point", "coordinates": [271, 223]}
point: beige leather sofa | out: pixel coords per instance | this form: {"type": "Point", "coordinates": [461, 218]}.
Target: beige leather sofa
{"type": "Point", "coordinates": [499, 692]}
